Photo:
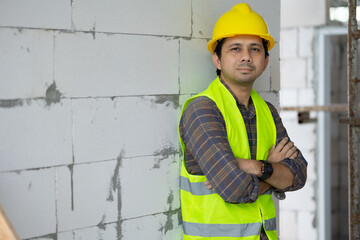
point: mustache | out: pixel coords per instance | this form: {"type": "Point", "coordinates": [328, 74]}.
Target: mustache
{"type": "Point", "coordinates": [246, 65]}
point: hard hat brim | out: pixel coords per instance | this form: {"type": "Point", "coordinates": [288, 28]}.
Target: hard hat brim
{"type": "Point", "coordinates": [212, 44]}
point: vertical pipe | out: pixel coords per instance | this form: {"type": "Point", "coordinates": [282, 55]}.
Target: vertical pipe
{"type": "Point", "coordinates": [353, 164]}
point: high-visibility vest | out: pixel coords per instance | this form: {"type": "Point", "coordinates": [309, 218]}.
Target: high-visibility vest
{"type": "Point", "coordinates": [205, 214]}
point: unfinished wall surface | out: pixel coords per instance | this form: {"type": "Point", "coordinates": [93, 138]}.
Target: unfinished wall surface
{"type": "Point", "coordinates": [299, 22]}
{"type": "Point", "coordinates": [90, 97]}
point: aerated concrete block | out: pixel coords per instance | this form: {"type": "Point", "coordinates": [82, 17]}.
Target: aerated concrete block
{"type": "Point", "coordinates": [205, 15]}
{"type": "Point", "coordinates": [293, 73]}
{"type": "Point", "coordinates": [159, 17]}
{"type": "Point", "coordinates": [35, 133]}
{"type": "Point", "coordinates": [137, 126]}
{"type": "Point", "coordinates": [197, 70]}
{"type": "Point", "coordinates": [307, 225]}
{"type": "Point", "coordinates": [301, 200]}
{"type": "Point", "coordinates": [28, 198]}
{"type": "Point", "coordinates": [289, 97]}
{"type": "Point", "coordinates": [307, 97]}
{"type": "Point", "coordinates": [288, 224]}
{"type": "Point", "coordinates": [272, 98]}
{"type": "Point", "coordinates": [156, 226]}
{"type": "Point", "coordinates": [118, 192]}
{"type": "Point", "coordinates": [88, 65]}
{"type": "Point", "coordinates": [156, 191]}
{"type": "Point", "coordinates": [50, 14]}
{"type": "Point", "coordinates": [274, 65]}
{"type": "Point", "coordinates": [289, 43]}
{"type": "Point", "coordinates": [310, 68]}
{"type": "Point", "coordinates": [102, 231]}
{"type": "Point", "coordinates": [87, 195]}
{"type": "Point", "coordinates": [295, 13]}
{"type": "Point", "coordinates": [306, 38]}
{"type": "Point", "coordinates": [26, 62]}
{"type": "Point", "coordinates": [309, 156]}
{"type": "Point", "coordinates": [303, 135]}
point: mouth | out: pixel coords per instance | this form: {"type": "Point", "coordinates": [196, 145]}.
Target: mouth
{"type": "Point", "coordinates": [245, 69]}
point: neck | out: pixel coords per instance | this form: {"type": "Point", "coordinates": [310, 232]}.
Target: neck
{"type": "Point", "coordinates": [241, 91]}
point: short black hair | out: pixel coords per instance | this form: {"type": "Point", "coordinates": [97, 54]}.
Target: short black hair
{"type": "Point", "coordinates": [220, 43]}
{"type": "Point", "coordinates": [217, 51]}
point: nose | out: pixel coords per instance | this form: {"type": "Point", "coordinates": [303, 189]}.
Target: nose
{"type": "Point", "coordinates": [246, 56]}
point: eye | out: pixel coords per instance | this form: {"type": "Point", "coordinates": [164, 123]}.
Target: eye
{"type": "Point", "coordinates": [235, 49]}
{"type": "Point", "coordinates": [255, 49]}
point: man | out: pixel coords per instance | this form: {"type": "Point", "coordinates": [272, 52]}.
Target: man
{"type": "Point", "coordinates": [236, 150]}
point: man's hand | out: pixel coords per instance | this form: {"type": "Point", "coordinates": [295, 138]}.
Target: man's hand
{"type": "Point", "coordinates": [285, 149]}
{"type": "Point", "coordinates": [208, 185]}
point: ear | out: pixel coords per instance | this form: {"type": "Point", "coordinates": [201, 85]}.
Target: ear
{"type": "Point", "coordinates": [216, 61]}
{"type": "Point", "coordinates": [266, 62]}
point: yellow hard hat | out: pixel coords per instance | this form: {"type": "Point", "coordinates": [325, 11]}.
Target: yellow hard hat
{"type": "Point", "coordinates": [240, 20]}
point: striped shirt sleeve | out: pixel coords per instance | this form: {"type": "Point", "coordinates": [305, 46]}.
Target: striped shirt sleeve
{"type": "Point", "coordinates": [297, 166]}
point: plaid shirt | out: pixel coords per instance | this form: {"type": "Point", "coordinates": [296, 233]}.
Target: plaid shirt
{"type": "Point", "coordinates": [207, 150]}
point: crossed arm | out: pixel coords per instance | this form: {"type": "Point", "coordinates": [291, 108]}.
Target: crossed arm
{"type": "Point", "coordinates": [281, 177]}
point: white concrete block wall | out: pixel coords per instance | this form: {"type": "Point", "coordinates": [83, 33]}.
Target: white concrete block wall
{"type": "Point", "coordinates": [52, 14]}
{"type": "Point", "coordinates": [82, 187]}
{"type": "Point", "coordinates": [116, 65]}
{"type": "Point", "coordinates": [161, 17]}
{"type": "Point", "coordinates": [299, 20]}
{"type": "Point", "coordinates": [90, 98]}
{"type": "Point", "coordinates": [296, 13]}
{"type": "Point", "coordinates": [33, 50]}
{"type": "Point", "coordinates": [35, 134]}
{"type": "Point", "coordinates": [109, 127]}
{"type": "Point", "coordinates": [24, 193]}
{"type": "Point", "coordinates": [193, 58]}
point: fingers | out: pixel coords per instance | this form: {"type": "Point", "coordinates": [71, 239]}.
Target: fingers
{"type": "Point", "coordinates": [294, 155]}
{"type": "Point", "coordinates": [284, 149]}
{"type": "Point", "coordinates": [289, 150]}
{"type": "Point", "coordinates": [208, 185]}
{"type": "Point", "coordinates": [272, 148]}
{"type": "Point", "coordinates": [281, 144]}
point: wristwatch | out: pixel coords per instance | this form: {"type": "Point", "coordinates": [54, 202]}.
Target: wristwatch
{"type": "Point", "coordinates": [267, 170]}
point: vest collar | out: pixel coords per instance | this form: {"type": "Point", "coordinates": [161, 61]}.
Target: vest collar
{"type": "Point", "coordinates": [251, 112]}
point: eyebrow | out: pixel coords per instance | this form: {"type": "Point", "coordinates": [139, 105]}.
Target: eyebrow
{"type": "Point", "coordinates": [240, 44]}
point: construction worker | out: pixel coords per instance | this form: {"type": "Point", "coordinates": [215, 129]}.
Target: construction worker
{"type": "Point", "coordinates": [236, 151]}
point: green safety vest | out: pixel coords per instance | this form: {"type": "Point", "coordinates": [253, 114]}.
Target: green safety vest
{"type": "Point", "coordinates": [205, 214]}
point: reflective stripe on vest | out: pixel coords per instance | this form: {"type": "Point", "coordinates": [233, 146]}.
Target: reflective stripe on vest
{"type": "Point", "coordinates": [227, 230]}
{"type": "Point", "coordinates": [199, 188]}
{"type": "Point", "coordinates": [205, 214]}
{"type": "Point", "coordinates": [222, 230]}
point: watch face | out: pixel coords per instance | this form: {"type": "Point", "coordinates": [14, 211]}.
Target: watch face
{"type": "Point", "coordinates": [268, 170]}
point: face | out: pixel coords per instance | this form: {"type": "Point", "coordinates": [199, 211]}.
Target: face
{"type": "Point", "coordinates": [242, 60]}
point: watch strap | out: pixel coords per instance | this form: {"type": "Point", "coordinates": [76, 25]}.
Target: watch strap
{"type": "Point", "coordinates": [267, 170]}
